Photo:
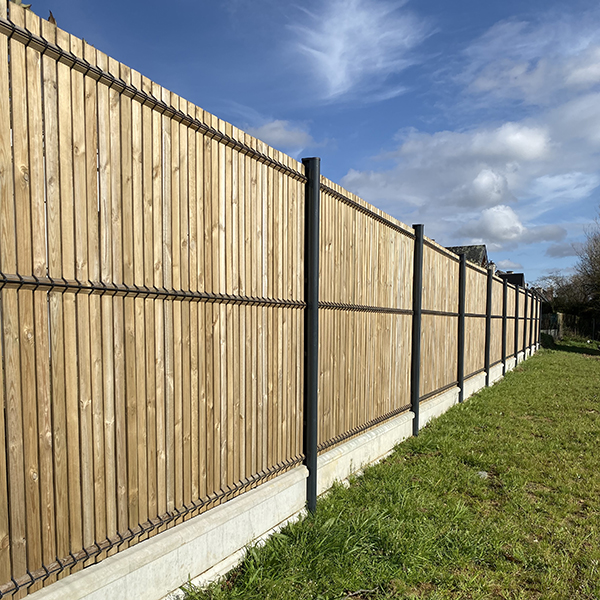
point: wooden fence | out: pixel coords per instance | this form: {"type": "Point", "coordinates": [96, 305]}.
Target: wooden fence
{"type": "Point", "coordinates": [152, 302]}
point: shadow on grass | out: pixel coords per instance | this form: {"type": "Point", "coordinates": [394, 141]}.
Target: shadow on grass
{"type": "Point", "coordinates": [576, 346]}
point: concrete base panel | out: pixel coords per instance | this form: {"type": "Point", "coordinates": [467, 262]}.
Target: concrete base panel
{"type": "Point", "coordinates": [520, 357]}
{"type": "Point", "coordinates": [510, 363]}
{"type": "Point", "coordinates": [438, 405]}
{"type": "Point", "coordinates": [495, 373]}
{"type": "Point", "coordinates": [473, 385]}
{"type": "Point", "coordinates": [370, 447]}
{"type": "Point", "coordinates": [155, 567]}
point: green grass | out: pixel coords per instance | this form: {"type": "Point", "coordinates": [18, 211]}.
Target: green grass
{"type": "Point", "coordinates": [428, 523]}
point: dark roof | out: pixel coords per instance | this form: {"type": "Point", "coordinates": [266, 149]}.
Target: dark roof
{"type": "Point", "coordinates": [476, 254]}
{"type": "Point", "coordinates": [514, 278]}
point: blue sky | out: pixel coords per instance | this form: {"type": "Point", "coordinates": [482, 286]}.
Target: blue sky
{"type": "Point", "coordinates": [479, 119]}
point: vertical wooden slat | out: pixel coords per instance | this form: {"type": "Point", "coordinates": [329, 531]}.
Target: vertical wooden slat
{"type": "Point", "coordinates": [130, 437]}
{"type": "Point", "coordinates": [21, 412]}
{"type": "Point", "coordinates": [235, 448]}
{"type": "Point", "coordinates": [117, 210]}
{"type": "Point", "coordinates": [69, 303]}
{"type": "Point", "coordinates": [201, 320]}
{"type": "Point", "coordinates": [7, 265]}
{"type": "Point", "coordinates": [194, 407]}
{"type": "Point", "coordinates": [39, 417]}
{"type": "Point", "coordinates": [159, 322]}
{"type": "Point", "coordinates": [177, 371]}
{"type": "Point", "coordinates": [13, 552]}
{"type": "Point", "coordinates": [59, 489]}
{"type": "Point", "coordinates": [82, 301]}
{"type": "Point", "coordinates": [183, 249]}
{"type": "Point", "coordinates": [105, 207]}
{"type": "Point", "coordinates": [221, 349]}
{"type": "Point", "coordinates": [215, 317]}
{"type": "Point", "coordinates": [140, 183]}
{"type": "Point", "coordinates": [148, 253]}
{"type": "Point", "coordinates": [167, 167]}
{"type": "Point", "coordinates": [228, 374]}
{"type": "Point", "coordinates": [208, 309]}
{"type": "Point", "coordinates": [95, 303]}
{"type": "Point", "coordinates": [256, 233]}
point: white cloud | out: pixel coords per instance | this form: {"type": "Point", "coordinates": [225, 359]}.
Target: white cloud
{"type": "Point", "coordinates": [501, 225]}
{"type": "Point", "coordinates": [357, 46]}
{"type": "Point", "coordinates": [509, 265]}
{"type": "Point", "coordinates": [283, 135]}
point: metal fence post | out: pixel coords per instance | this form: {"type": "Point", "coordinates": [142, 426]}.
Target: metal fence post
{"type": "Point", "coordinates": [504, 322]}
{"type": "Point", "coordinates": [488, 325]}
{"type": "Point", "coordinates": [311, 325]}
{"type": "Point", "coordinates": [525, 323]}
{"type": "Point", "coordinates": [462, 288]}
{"type": "Point", "coordinates": [415, 366]}
{"type": "Point", "coordinates": [516, 324]}
{"type": "Point", "coordinates": [531, 321]}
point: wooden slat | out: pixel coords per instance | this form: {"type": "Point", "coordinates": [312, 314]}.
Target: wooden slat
{"type": "Point", "coordinates": [148, 271]}
{"type": "Point", "coordinates": [95, 309]}
{"type": "Point", "coordinates": [18, 320]}
{"type": "Point", "coordinates": [201, 320]}
{"type": "Point", "coordinates": [68, 301]}
{"type": "Point", "coordinates": [82, 301]}
{"type": "Point", "coordinates": [105, 190]}
{"type": "Point", "coordinates": [208, 310]}
{"type": "Point", "coordinates": [177, 369]}
{"type": "Point", "coordinates": [169, 423]}
{"type": "Point", "coordinates": [159, 322]}
{"type": "Point", "coordinates": [118, 269]}
{"type": "Point", "coordinates": [130, 435]}
{"type": "Point", "coordinates": [7, 265]}
{"type": "Point", "coordinates": [140, 183]}
{"type": "Point", "coordinates": [183, 248]}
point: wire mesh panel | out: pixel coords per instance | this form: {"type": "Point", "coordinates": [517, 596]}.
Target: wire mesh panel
{"type": "Point", "coordinates": [151, 300]}
{"type": "Point", "coordinates": [365, 321]}
{"type": "Point", "coordinates": [439, 330]}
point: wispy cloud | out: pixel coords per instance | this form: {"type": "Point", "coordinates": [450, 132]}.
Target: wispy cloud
{"type": "Point", "coordinates": [506, 183]}
{"type": "Point", "coordinates": [356, 47]}
{"type": "Point", "coordinates": [536, 61]}
{"type": "Point", "coordinates": [283, 135]}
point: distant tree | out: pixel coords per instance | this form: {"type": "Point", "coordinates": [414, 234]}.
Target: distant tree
{"type": "Point", "coordinates": [588, 266]}
{"type": "Point", "coordinates": [564, 293]}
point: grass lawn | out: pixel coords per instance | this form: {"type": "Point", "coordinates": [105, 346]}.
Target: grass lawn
{"type": "Point", "coordinates": [498, 498]}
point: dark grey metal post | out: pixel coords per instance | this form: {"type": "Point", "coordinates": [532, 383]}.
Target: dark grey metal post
{"type": "Point", "coordinates": [462, 288]}
{"type": "Point", "coordinates": [312, 168]}
{"type": "Point", "coordinates": [415, 366]}
{"type": "Point", "coordinates": [516, 324]}
{"type": "Point", "coordinates": [531, 320]}
{"type": "Point", "coordinates": [525, 323]}
{"type": "Point", "coordinates": [488, 326]}
{"type": "Point", "coordinates": [504, 322]}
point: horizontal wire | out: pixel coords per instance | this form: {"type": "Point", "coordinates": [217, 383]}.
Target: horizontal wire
{"type": "Point", "coordinates": [49, 284]}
